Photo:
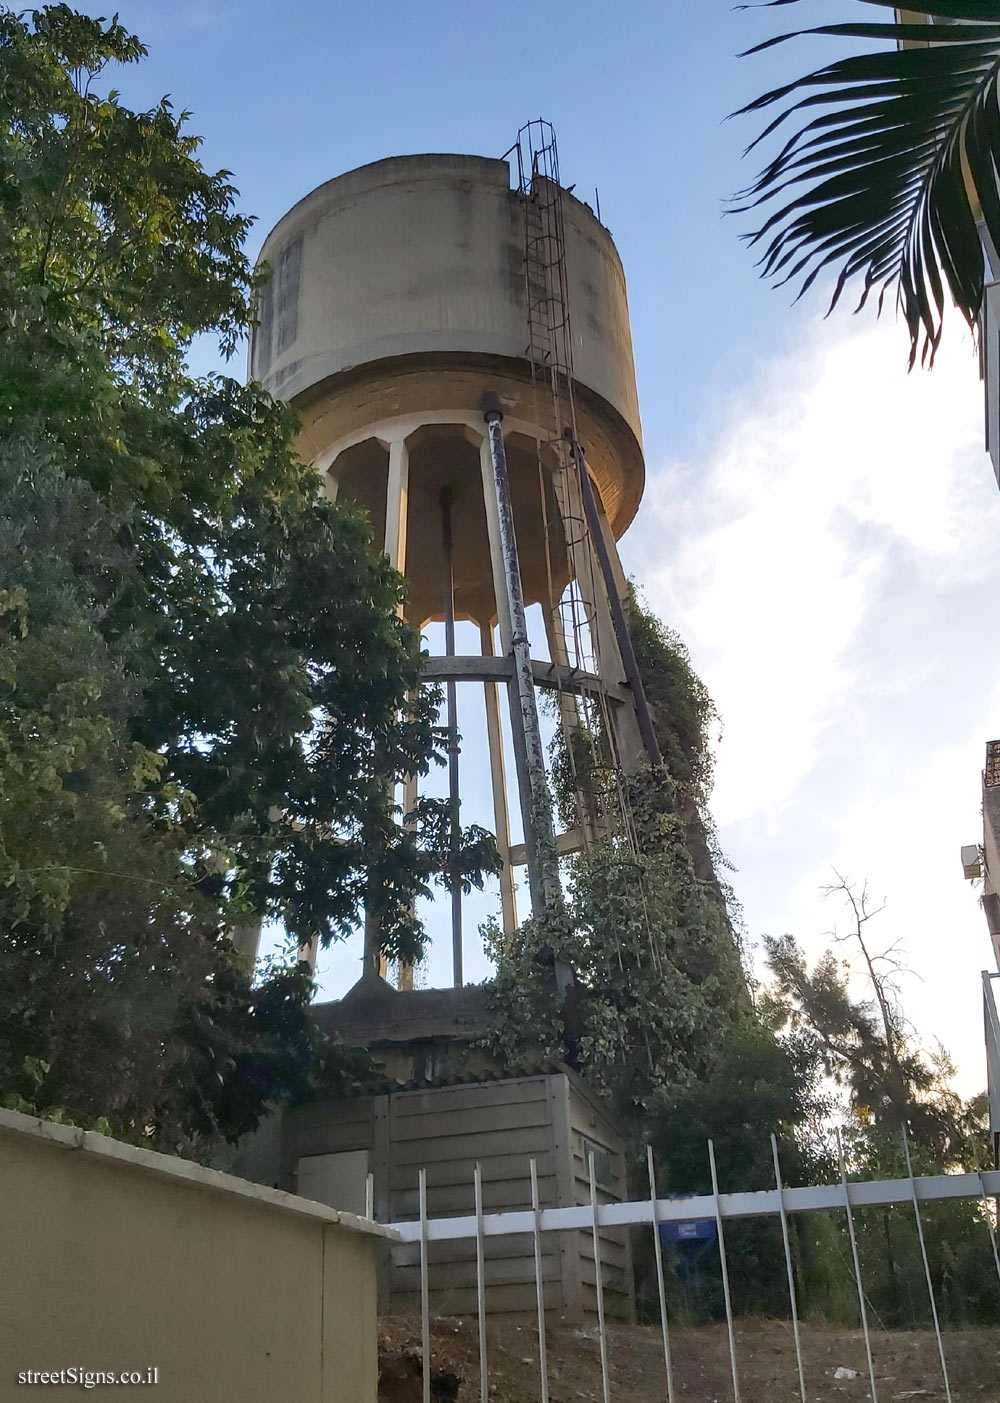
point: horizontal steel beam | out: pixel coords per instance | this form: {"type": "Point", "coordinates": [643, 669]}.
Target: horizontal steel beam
{"type": "Point", "coordinates": [566, 844]}
{"type": "Point", "coordinates": [476, 668]}
{"type": "Point", "coordinates": [467, 669]}
{"type": "Point", "coordinates": [815, 1199]}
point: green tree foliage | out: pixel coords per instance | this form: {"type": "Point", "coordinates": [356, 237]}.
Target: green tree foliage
{"type": "Point", "coordinates": [206, 694]}
{"type": "Point", "coordinates": [888, 1080]}
{"type": "Point", "coordinates": [658, 982]}
{"type": "Point", "coordinates": [759, 1086]}
{"type": "Point", "coordinates": [814, 1010]}
{"type": "Point", "coordinates": [891, 166]}
{"type": "Point", "coordinates": [816, 1057]}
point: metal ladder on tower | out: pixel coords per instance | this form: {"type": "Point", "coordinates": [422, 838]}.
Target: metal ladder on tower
{"type": "Point", "coordinates": [550, 355]}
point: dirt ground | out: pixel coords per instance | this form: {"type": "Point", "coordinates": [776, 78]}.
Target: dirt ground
{"type": "Point", "coordinates": [906, 1364]}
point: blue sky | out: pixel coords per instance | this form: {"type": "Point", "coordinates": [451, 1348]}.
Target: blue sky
{"type": "Point", "coordinates": [287, 96]}
{"type": "Point", "coordinates": [818, 526]}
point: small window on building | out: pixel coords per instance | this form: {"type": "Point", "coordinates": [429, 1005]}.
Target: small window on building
{"type": "Point", "coordinates": [604, 1171]}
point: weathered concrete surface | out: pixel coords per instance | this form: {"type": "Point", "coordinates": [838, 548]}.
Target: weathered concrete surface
{"type": "Point", "coordinates": [419, 254]}
{"type": "Point", "coordinates": [403, 283]}
{"type": "Point", "coordinates": [120, 1259]}
{"type": "Point", "coordinates": [414, 1034]}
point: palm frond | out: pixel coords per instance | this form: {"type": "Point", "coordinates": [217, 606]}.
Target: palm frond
{"type": "Point", "coordinates": [894, 164]}
{"type": "Point", "coordinates": [942, 9]}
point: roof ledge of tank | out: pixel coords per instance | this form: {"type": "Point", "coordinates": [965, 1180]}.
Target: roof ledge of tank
{"type": "Point", "coordinates": [485, 170]}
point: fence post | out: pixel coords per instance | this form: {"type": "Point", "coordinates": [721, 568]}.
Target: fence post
{"type": "Point", "coordinates": [598, 1278]}
{"type": "Point", "coordinates": [725, 1272]}
{"type": "Point", "coordinates": [484, 1376]}
{"type": "Point", "coordinates": [543, 1363]}
{"type": "Point", "coordinates": [927, 1266]}
{"type": "Point", "coordinates": [857, 1268]}
{"type": "Point", "coordinates": [789, 1267]}
{"type": "Point", "coordinates": [660, 1284]}
{"type": "Point", "coordinates": [425, 1302]}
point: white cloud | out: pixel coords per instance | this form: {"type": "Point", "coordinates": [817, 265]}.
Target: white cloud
{"type": "Point", "coordinates": [833, 562]}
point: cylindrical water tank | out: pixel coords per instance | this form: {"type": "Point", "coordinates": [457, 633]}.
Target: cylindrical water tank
{"type": "Point", "coordinates": [400, 288]}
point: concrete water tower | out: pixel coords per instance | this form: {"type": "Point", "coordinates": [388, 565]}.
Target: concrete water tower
{"type": "Point", "coordinates": [458, 348]}
{"type": "Point", "coordinates": [459, 351]}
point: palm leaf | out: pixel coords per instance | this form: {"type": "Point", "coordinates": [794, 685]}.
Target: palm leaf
{"type": "Point", "coordinates": [892, 166]}
{"type": "Point", "coordinates": [941, 9]}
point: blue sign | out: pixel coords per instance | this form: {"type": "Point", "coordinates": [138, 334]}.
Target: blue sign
{"type": "Point", "coordinates": [689, 1230]}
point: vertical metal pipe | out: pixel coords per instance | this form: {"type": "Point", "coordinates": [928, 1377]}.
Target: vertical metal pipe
{"type": "Point", "coordinates": [629, 661]}
{"type": "Point", "coordinates": [484, 1375]}
{"type": "Point", "coordinates": [536, 801]}
{"type": "Point", "coordinates": [370, 1196]}
{"type": "Point", "coordinates": [373, 965]}
{"type": "Point", "coordinates": [543, 1363]}
{"type": "Point", "coordinates": [789, 1267]}
{"type": "Point", "coordinates": [927, 1266]}
{"type": "Point", "coordinates": [989, 1226]}
{"type": "Point", "coordinates": [246, 938]}
{"type": "Point", "coordinates": [425, 1296]}
{"type": "Point", "coordinates": [308, 952]}
{"type": "Point", "coordinates": [862, 1308]}
{"type": "Point", "coordinates": [498, 778]}
{"type": "Point", "coordinates": [504, 626]}
{"type": "Point", "coordinates": [451, 691]}
{"type": "Point", "coordinates": [660, 1282]}
{"type": "Point", "coordinates": [725, 1273]}
{"type": "Point", "coordinates": [411, 796]}
{"type": "Point", "coordinates": [599, 1281]}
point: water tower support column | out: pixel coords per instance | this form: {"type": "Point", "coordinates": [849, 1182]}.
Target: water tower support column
{"type": "Point", "coordinates": [624, 638]}
{"type": "Point", "coordinates": [396, 499]}
{"type": "Point", "coordinates": [454, 799]}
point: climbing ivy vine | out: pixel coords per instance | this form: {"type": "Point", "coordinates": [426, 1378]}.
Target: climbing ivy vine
{"type": "Point", "coordinates": [658, 987]}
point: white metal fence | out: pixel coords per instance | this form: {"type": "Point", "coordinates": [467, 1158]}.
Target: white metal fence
{"type": "Point", "coordinates": [781, 1203]}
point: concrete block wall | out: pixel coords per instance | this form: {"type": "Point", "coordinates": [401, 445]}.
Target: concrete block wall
{"type": "Point", "coordinates": [117, 1259]}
